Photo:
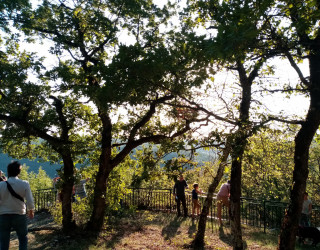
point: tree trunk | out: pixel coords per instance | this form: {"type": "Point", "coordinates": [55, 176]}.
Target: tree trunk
{"type": "Point", "coordinates": [238, 146]}
{"type": "Point", "coordinates": [301, 157]}
{"type": "Point", "coordinates": [96, 221]}
{"type": "Point", "coordinates": [235, 194]}
{"type": "Point", "coordinates": [198, 242]}
{"type": "Point", "coordinates": [68, 223]}
{"type": "Point", "coordinates": [99, 200]}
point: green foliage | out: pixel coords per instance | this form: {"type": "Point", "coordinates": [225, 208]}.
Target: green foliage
{"type": "Point", "coordinates": [116, 189]}
{"type": "Point", "coordinates": [56, 212]}
{"type": "Point", "coordinates": [38, 180]}
{"type": "Point", "coordinates": [267, 165]}
{"type": "Point", "coordinates": [313, 182]}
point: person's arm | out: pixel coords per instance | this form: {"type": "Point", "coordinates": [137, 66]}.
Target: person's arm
{"type": "Point", "coordinates": [31, 213]}
{"type": "Point", "coordinates": [310, 208]}
{"type": "Point", "coordinates": [29, 202]}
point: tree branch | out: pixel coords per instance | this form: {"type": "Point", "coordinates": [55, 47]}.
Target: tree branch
{"type": "Point", "coordinates": [147, 116]}
{"type": "Point", "coordinates": [154, 138]}
{"type": "Point", "coordinates": [63, 122]}
{"type": "Point", "coordinates": [296, 68]}
{"type": "Point", "coordinates": [299, 122]}
{"type": "Point", "coordinates": [200, 108]}
{"type": "Point", "coordinates": [31, 129]}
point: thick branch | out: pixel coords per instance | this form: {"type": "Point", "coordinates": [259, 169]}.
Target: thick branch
{"type": "Point", "coordinates": [200, 108]}
{"type": "Point", "coordinates": [299, 122]}
{"type": "Point", "coordinates": [148, 116]}
{"type": "Point", "coordinates": [32, 129]}
{"type": "Point", "coordinates": [296, 68]}
{"type": "Point", "coordinates": [63, 122]}
{"type": "Point", "coordinates": [154, 138]}
{"type": "Point", "coordinates": [283, 90]}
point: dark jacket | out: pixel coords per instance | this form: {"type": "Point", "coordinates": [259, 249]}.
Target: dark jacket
{"type": "Point", "coordinates": [179, 188]}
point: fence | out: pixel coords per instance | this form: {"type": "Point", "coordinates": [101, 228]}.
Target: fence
{"type": "Point", "coordinates": [259, 213]}
{"type": "Point", "coordinates": [44, 198]}
{"type": "Point", "coordinates": [254, 212]}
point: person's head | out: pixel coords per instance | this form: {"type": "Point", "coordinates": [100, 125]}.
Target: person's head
{"type": "Point", "coordinates": [195, 185]}
{"type": "Point", "coordinates": [14, 169]}
{"type": "Point", "coordinates": [181, 177]}
{"type": "Point", "coordinates": [305, 195]}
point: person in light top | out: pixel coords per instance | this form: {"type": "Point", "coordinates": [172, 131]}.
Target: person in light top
{"type": "Point", "coordinates": [13, 210]}
{"type": "Point", "coordinates": [306, 211]}
{"type": "Point", "coordinates": [223, 199]}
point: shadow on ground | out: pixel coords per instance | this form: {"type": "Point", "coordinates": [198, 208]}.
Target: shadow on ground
{"type": "Point", "coordinates": [45, 234]}
{"type": "Point", "coordinates": [171, 229]}
{"type": "Point", "coordinates": [225, 235]}
{"type": "Point", "coordinates": [192, 228]}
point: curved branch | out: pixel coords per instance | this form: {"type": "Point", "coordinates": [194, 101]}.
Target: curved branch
{"type": "Point", "coordinates": [299, 122]}
{"type": "Point", "coordinates": [153, 138]}
{"type": "Point", "coordinates": [200, 108]}
{"type": "Point", "coordinates": [31, 129]}
{"type": "Point", "coordinates": [148, 116]}
{"type": "Point", "coordinates": [296, 68]}
{"type": "Point", "coordinates": [64, 126]}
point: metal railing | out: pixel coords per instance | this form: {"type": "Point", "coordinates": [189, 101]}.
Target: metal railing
{"type": "Point", "coordinates": [44, 198]}
{"type": "Point", "coordinates": [258, 213]}
{"type": "Point", "coordinates": [254, 212]}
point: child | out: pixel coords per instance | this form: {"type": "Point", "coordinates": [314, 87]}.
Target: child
{"type": "Point", "coordinates": [195, 200]}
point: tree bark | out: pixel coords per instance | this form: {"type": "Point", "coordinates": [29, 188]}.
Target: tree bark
{"type": "Point", "coordinates": [301, 157]}
{"type": "Point", "coordinates": [198, 242]}
{"type": "Point", "coordinates": [68, 223]}
{"type": "Point", "coordinates": [96, 221]}
{"type": "Point", "coordinates": [235, 192]}
{"type": "Point", "coordinates": [238, 146]}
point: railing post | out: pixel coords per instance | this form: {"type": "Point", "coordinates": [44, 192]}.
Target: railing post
{"type": "Point", "coordinates": [264, 216]}
{"type": "Point", "coordinates": [170, 199]}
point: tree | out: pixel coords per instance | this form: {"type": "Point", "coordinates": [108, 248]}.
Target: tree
{"type": "Point", "coordinates": [238, 45]}
{"type": "Point", "coordinates": [199, 238]}
{"type": "Point", "coordinates": [296, 39]}
{"type": "Point", "coordinates": [122, 91]}
{"type": "Point", "coordinates": [38, 180]}
{"type": "Point", "coordinates": [28, 111]}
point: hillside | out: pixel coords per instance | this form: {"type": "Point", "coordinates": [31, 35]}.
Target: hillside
{"type": "Point", "coordinates": [33, 165]}
{"type": "Point", "coordinates": [203, 156]}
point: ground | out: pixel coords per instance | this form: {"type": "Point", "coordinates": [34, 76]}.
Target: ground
{"type": "Point", "coordinates": [142, 230]}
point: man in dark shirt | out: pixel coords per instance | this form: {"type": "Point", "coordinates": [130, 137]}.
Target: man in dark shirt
{"type": "Point", "coordinates": [178, 192]}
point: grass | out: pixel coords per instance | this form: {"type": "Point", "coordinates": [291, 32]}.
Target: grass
{"type": "Point", "coordinates": [144, 230]}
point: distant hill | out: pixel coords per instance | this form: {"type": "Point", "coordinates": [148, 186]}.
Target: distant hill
{"type": "Point", "coordinates": [203, 156]}
{"type": "Point", "coordinates": [33, 165]}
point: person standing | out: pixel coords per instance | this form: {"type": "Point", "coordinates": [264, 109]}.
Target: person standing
{"type": "Point", "coordinates": [80, 189]}
{"type": "Point", "coordinates": [223, 199]}
{"type": "Point", "coordinates": [195, 200]}
{"type": "Point", "coordinates": [306, 211]}
{"type": "Point", "coordinates": [179, 193]}
{"type": "Point", "coordinates": [13, 210]}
